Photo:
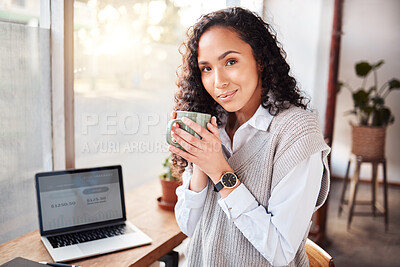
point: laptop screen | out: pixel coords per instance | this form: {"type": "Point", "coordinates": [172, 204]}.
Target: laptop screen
{"type": "Point", "coordinates": [71, 199]}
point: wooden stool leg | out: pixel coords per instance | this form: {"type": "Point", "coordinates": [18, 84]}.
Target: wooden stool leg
{"type": "Point", "coordinates": [374, 186]}
{"type": "Point", "coordinates": [353, 191]}
{"type": "Point", "coordinates": [385, 196]}
{"type": "Point", "coordinates": [345, 182]}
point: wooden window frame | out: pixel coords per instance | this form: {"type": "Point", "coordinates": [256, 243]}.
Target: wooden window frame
{"type": "Point", "coordinates": [58, 16]}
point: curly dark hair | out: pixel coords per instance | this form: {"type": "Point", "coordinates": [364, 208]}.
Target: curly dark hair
{"type": "Point", "coordinates": [268, 53]}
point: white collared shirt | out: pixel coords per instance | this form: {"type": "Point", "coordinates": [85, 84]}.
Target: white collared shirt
{"type": "Point", "coordinates": [260, 121]}
{"type": "Point", "coordinates": [276, 232]}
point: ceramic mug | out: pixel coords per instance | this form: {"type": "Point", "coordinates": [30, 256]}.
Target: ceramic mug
{"type": "Point", "coordinates": [200, 118]}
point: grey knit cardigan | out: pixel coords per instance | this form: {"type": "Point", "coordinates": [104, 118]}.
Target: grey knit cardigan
{"type": "Point", "coordinates": [292, 137]}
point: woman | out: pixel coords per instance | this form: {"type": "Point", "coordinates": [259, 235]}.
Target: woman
{"type": "Point", "coordinates": [257, 175]}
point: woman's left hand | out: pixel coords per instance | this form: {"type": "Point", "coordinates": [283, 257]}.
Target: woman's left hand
{"type": "Point", "coordinates": [206, 153]}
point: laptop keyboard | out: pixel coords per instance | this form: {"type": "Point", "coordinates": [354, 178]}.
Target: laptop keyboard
{"type": "Point", "coordinates": [86, 236]}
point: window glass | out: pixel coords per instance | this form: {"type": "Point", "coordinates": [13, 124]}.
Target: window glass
{"type": "Point", "coordinates": [25, 117]}
{"type": "Point", "coordinates": [126, 57]}
{"type": "Point", "coordinates": [25, 12]}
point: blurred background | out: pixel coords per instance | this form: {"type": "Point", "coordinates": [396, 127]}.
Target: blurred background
{"type": "Point", "coordinates": [125, 57]}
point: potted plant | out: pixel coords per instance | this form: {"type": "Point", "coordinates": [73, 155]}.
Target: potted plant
{"type": "Point", "coordinates": [169, 182]}
{"type": "Point", "coordinates": [369, 133]}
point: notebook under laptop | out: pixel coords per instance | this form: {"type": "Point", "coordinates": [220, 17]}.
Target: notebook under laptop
{"type": "Point", "coordinates": [82, 213]}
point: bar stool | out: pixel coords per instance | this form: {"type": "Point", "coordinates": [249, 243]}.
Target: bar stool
{"type": "Point", "coordinates": [377, 210]}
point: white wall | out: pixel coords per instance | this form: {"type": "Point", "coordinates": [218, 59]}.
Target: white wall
{"type": "Point", "coordinates": [304, 29]}
{"type": "Point", "coordinates": [371, 31]}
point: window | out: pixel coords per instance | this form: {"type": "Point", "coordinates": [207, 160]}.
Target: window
{"type": "Point", "coordinates": [126, 57]}
{"type": "Point", "coordinates": [25, 108]}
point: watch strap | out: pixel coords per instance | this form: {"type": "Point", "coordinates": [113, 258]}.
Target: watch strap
{"type": "Point", "coordinates": [218, 186]}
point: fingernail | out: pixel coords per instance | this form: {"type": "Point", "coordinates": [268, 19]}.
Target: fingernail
{"type": "Point", "coordinates": [173, 137]}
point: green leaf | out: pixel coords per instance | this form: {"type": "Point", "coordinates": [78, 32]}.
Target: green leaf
{"type": "Point", "coordinates": [360, 98]}
{"type": "Point", "coordinates": [394, 84]}
{"type": "Point", "coordinates": [339, 86]}
{"type": "Point", "coordinates": [382, 117]}
{"type": "Point", "coordinates": [166, 162]}
{"type": "Point", "coordinates": [377, 100]}
{"type": "Point", "coordinates": [378, 64]}
{"type": "Point", "coordinates": [367, 110]}
{"type": "Point", "coordinates": [363, 68]}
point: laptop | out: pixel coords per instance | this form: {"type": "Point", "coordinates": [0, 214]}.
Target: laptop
{"type": "Point", "coordinates": [82, 213]}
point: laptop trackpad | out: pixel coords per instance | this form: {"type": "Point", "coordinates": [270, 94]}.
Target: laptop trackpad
{"type": "Point", "coordinates": [101, 246]}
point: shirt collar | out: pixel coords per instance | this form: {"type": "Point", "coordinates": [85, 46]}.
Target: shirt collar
{"type": "Point", "coordinates": [260, 120]}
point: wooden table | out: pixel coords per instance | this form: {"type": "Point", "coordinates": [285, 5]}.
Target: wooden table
{"type": "Point", "coordinates": [142, 210]}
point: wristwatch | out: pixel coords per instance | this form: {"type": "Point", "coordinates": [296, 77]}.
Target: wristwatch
{"type": "Point", "coordinates": [227, 180]}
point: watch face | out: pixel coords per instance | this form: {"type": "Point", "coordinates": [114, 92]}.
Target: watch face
{"type": "Point", "coordinates": [229, 179]}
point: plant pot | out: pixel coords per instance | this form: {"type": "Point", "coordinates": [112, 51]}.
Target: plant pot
{"type": "Point", "coordinates": [368, 142]}
{"type": "Point", "coordinates": [168, 199]}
